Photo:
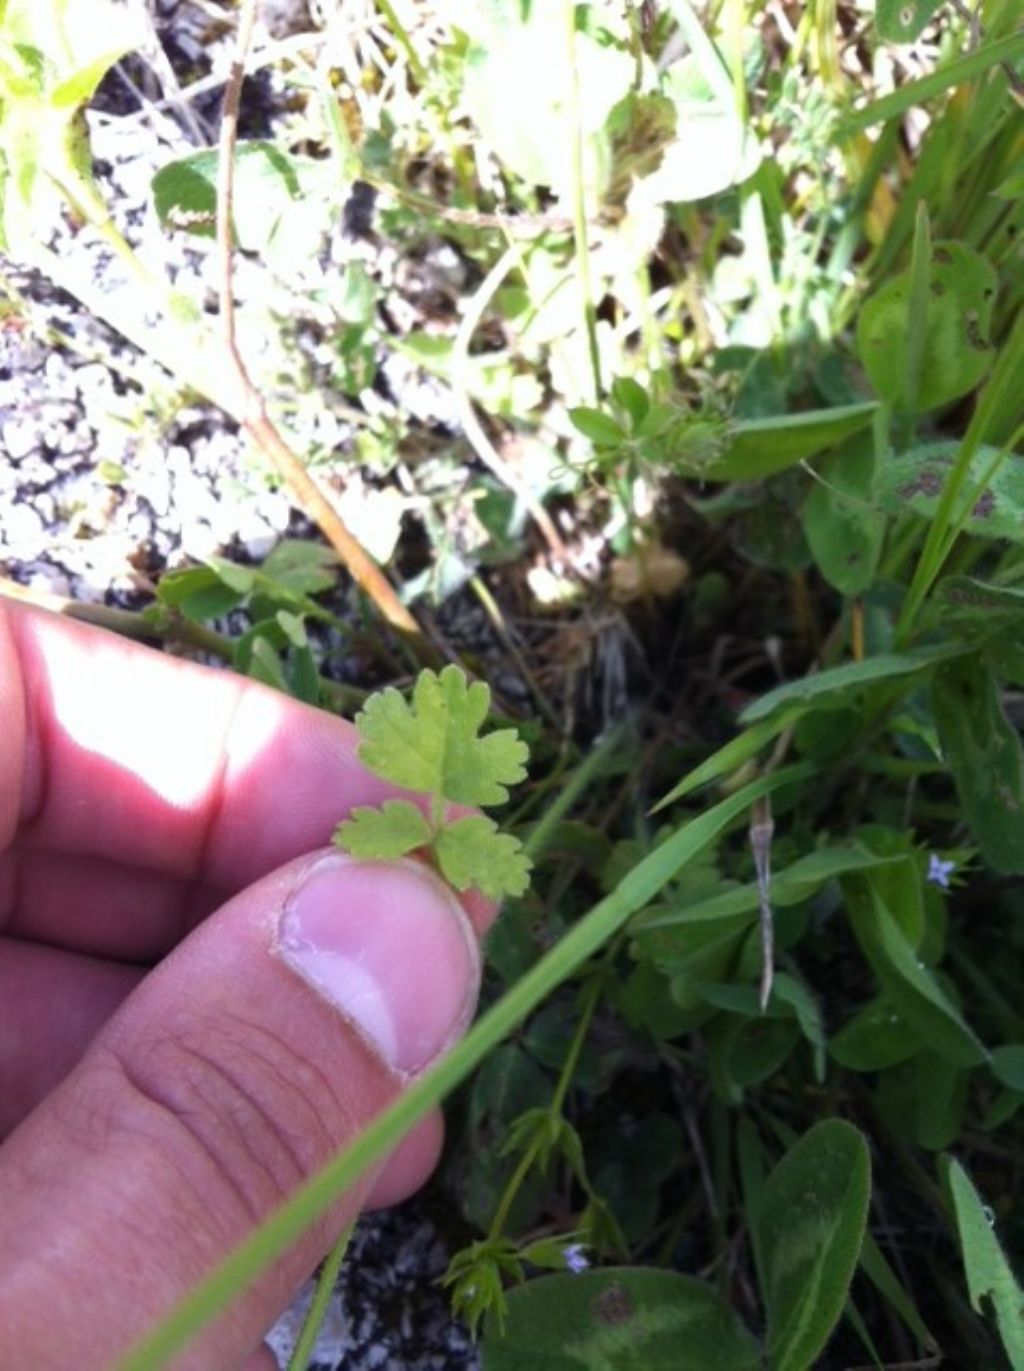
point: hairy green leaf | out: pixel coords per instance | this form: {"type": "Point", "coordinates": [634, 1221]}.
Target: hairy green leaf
{"type": "Point", "coordinates": [810, 1225]}
{"type": "Point", "coordinates": [619, 1319]}
{"type": "Point", "coordinates": [914, 480]}
{"type": "Point", "coordinates": [431, 744]}
{"type": "Point", "coordinates": [394, 829]}
{"type": "Point", "coordinates": [955, 351]}
{"type": "Point", "coordinates": [471, 852]}
{"type": "Point", "coordinates": [842, 529]}
{"type": "Point", "coordinates": [989, 1276]}
{"type": "Point", "coordinates": [839, 684]}
{"type": "Point", "coordinates": [908, 983]}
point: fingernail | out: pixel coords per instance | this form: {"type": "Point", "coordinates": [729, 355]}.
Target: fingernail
{"type": "Point", "coordinates": [388, 946]}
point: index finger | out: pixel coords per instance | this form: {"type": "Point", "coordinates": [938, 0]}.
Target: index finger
{"type": "Point", "coordinates": [118, 752]}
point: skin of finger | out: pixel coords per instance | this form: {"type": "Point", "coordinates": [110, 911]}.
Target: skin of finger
{"type": "Point", "coordinates": [188, 1097]}
{"type": "Point", "coordinates": [98, 907]}
{"type": "Point", "coordinates": [132, 757]}
{"type": "Point", "coordinates": [54, 1005]}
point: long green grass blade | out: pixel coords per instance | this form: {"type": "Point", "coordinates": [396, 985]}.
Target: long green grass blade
{"type": "Point", "coordinates": [964, 69]}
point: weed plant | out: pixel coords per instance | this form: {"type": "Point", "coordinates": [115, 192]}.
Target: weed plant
{"type": "Point", "coordinates": [737, 362]}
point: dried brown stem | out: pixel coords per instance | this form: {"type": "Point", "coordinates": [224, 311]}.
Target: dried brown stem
{"type": "Point", "coordinates": [250, 407]}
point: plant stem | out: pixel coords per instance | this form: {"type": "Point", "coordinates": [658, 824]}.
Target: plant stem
{"type": "Point", "coordinates": [303, 1350]}
{"type": "Point", "coordinates": [579, 201]}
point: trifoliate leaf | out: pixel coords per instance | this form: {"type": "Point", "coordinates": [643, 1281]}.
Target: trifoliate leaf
{"type": "Point", "coordinates": [393, 830]}
{"type": "Point", "coordinates": [471, 852]}
{"type": "Point", "coordinates": [431, 744]}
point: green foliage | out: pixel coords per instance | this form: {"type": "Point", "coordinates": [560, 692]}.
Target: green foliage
{"type": "Point", "coordinates": [432, 745]}
{"type": "Point", "coordinates": [990, 1280]}
{"type": "Point", "coordinates": [810, 1226]}
{"type": "Point", "coordinates": [901, 21]}
{"type": "Point", "coordinates": [913, 480]}
{"type": "Point", "coordinates": [844, 532]}
{"type": "Point", "coordinates": [984, 754]}
{"type": "Point", "coordinates": [53, 56]}
{"type": "Point", "coordinates": [678, 280]}
{"type": "Point", "coordinates": [617, 1320]}
{"type": "Point", "coordinates": [267, 181]}
{"type": "Point", "coordinates": [953, 320]}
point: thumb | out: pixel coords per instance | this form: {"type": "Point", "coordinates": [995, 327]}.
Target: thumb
{"type": "Point", "coordinates": [256, 1050]}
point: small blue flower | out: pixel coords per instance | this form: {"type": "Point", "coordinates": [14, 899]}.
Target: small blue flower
{"type": "Point", "coordinates": [939, 871]}
{"type": "Point", "coordinates": [575, 1258]}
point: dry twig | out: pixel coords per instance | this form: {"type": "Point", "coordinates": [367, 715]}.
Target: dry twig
{"type": "Point", "coordinates": [255, 420]}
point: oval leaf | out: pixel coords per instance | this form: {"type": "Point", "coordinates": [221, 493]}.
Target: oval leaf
{"type": "Point", "coordinates": [914, 480]}
{"type": "Point", "coordinates": [810, 1226]}
{"type": "Point", "coordinates": [902, 21]}
{"type": "Point", "coordinates": [619, 1319]}
{"type": "Point", "coordinates": [954, 334]}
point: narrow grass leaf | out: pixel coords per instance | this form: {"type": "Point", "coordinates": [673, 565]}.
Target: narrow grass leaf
{"type": "Point", "coordinates": [925, 88]}
{"type": "Point", "coordinates": [840, 684]}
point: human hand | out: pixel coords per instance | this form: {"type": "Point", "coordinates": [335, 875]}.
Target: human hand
{"type": "Point", "coordinates": [176, 944]}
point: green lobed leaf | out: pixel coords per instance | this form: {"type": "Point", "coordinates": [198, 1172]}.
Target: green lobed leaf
{"type": "Point", "coordinates": [430, 744]}
{"type": "Point", "coordinates": [619, 1319]}
{"type": "Point", "coordinates": [956, 353]}
{"type": "Point", "coordinates": [300, 566]}
{"type": "Point", "coordinates": [198, 592]}
{"type": "Point", "coordinates": [811, 1224]}
{"type": "Point", "coordinates": [394, 829]}
{"type": "Point", "coordinates": [989, 1276]}
{"type": "Point", "coordinates": [255, 1253]}
{"type": "Point", "coordinates": [471, 852]}
{"type": "Point", "coordinates": [983, 751]}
